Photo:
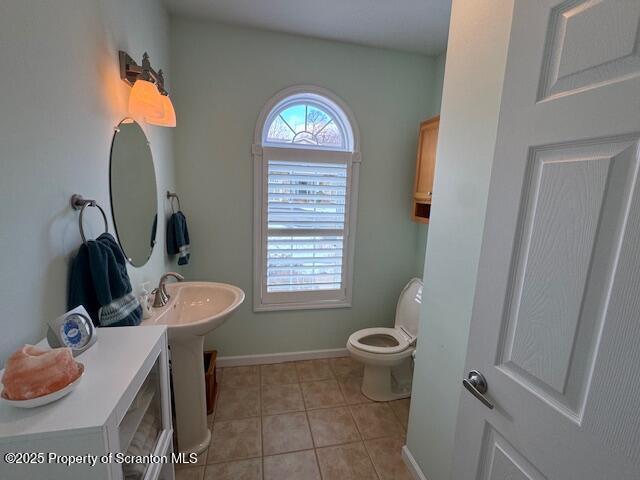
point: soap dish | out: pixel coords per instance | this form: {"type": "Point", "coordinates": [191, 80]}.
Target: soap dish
{"type": "Point", "coordinates": [45, 399]}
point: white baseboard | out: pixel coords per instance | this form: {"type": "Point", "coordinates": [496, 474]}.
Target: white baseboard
{"type": "Point", "coordinates": [412, 465]}
{"type": "Point", "coordinates": [240, 360]}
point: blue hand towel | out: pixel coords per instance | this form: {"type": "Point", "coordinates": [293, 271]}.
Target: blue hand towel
{"type": "Point", "coordinates": [178, 238]}
{"type": "Point", "coordinates": [154, 229]}
{"type": "Point", "coordinates": [99, 281]}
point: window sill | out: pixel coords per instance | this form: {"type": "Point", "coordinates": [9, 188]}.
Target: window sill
{"type": "Point", "coordinates": [276, 307]}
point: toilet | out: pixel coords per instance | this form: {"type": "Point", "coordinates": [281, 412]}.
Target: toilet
{"type": "Point", "coordinates": [387, 352]}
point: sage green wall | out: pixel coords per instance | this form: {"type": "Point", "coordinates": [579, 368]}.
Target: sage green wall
{"type": "Point", "coordinates": [60, 100]}
{"type": "Point", "coordinates": [440, 66]}
{"type": "Point", "coordinates": [476, 58]}
{"type": "Point", "coordinates": [226, 75]}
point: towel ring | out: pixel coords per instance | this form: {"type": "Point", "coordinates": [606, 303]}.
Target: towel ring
{"type": "Point", "coordinates": [171, 196]}
{"type": "Point", "coordinates": [78, 202]}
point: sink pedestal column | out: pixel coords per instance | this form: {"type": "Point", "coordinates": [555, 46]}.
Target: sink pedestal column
{"type": "Point", "coordinates": [187, 367]}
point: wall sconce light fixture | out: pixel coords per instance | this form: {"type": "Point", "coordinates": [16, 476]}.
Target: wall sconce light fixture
{"type": "Point", "coordinates": [148, 99]}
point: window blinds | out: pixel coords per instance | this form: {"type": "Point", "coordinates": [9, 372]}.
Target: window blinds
{"type": "Point", "coordinates": [306, 204]}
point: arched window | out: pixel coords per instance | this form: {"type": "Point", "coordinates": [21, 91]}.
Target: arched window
{"type": "Point", "coordinates": [305, 121]}
{"type": "Point", "coordinates": [306, 177]}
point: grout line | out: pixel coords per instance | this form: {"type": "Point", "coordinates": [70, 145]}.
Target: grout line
{"type": "Point", "coordinates": [289, 451]}
{"type": "Point", "coordinates": [331, 367]}
{"type": "Point", "coordinates": [313, 440]}
{"type": "Point", "coordinates": [318, 380]}
{"type": "Point", "coordinates": [313, 443]}
{"type": "Point", "coordinates": [327, 407]}
{"type": "Point", "coordinates": [315, 454]}
{"type": "Point", "coordinates": [355, 422]}
{"type": "Point", "coordinates": [342, 444]}
{"type": "Point", "coordinates": [304, 398]}
{"type": "Point", "coordinates": [234, 460]}
{"type": "Point", "coordinates": [261, 413]}
{"type": "Point", "coordinates": [297, 371]}
{"type": "Point", "coordinates": [261, 436]}
{"type": "Point", "coordinates": [375, 469]}
{"type": "Point", "coordinates": [213, 416]}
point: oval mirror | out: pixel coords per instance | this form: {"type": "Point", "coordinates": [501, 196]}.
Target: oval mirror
{"type": "Point", "coordinates": [134, 199]}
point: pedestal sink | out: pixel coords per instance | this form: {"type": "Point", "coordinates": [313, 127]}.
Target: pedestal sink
{"type": "Point", "coordinates": [194, 309]}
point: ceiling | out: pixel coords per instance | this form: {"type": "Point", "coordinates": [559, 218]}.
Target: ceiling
{"type": "Point", "coordinates": [419, 26]}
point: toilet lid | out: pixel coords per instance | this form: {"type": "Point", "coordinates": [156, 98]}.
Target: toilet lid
{"type": "Point", "coordinates": [408, 309]}
{"type": "Point", "coordinates": [359, 340]}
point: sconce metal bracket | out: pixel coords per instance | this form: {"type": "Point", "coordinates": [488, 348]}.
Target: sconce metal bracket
{"type": "Point", "coordinates": [130, 71]}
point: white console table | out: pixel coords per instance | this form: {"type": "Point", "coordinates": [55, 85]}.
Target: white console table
{"type": "Point", "coordinates": [121, 405]}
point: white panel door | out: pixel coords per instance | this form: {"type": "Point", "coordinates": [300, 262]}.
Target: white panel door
{"type": "Point", "coordinates": [556, 322]}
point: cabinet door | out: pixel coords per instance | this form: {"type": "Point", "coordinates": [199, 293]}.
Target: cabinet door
{"type": "Point", "coordinates": [146, 427]}
{"type": "Point", "coordinates": [426, 161]}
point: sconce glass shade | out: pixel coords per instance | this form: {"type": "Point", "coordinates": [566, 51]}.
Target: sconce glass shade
{"type": "Point", "coordinates": [168, 119]}
{"type": "Point", "coordinates": [145, 100]}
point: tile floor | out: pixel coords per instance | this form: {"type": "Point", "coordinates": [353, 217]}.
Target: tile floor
{"type": "Point", "coordinates": [301, 421]}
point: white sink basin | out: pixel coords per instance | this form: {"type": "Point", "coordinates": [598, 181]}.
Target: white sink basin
{"type": "Point", "coordinates": [194, 309]}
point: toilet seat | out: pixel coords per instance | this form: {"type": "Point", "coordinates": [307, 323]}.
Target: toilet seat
{"type": "Point", "coordinates": [406, 324]}
{"type": "Point", "coordinates": [386, 352]}
{"type": "Point", "coordinates": [404, 339]}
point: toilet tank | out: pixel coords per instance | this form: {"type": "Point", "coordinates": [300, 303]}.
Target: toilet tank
{"type": "Point", "coordinates": [408, 308]}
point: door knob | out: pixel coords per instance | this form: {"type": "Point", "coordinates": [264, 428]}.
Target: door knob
{"type": "Point", "coordinates": [477, 385]}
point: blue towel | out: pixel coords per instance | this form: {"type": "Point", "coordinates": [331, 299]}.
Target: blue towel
{"type": "Point", "coordinates": [178, 238]}
{"type": "Point", "coordinates": [99, 281]}
{"type": "Point", "coordinates": [154, 229]}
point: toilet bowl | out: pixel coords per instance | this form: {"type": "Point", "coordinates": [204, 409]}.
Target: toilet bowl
{"type": "Point", "coordinates": [387, 352]}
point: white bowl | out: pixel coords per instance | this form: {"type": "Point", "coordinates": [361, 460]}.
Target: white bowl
{"type": "Point", "coordinates": [44, 399]}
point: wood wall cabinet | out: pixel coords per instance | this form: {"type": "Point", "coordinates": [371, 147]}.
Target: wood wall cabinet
{"type": "Point", "coordinates": [425, 168]}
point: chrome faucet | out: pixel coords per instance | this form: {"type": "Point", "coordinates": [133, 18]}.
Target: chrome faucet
{"type": "Point", "coordinates": [162, 297]}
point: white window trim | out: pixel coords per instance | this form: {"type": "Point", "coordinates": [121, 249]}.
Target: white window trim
{"type": "Point", "coordinates": [261, 154]}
